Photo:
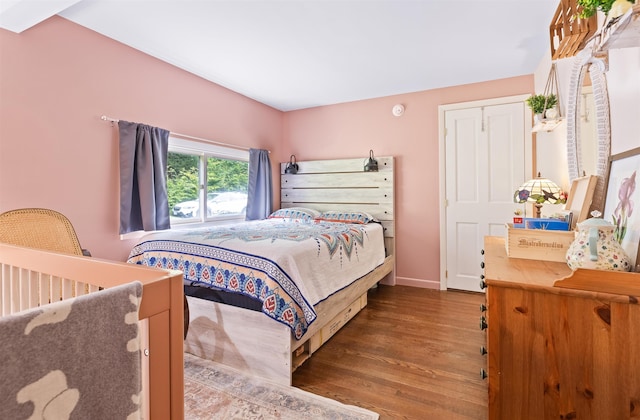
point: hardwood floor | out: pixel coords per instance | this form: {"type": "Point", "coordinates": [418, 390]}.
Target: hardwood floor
{"type": "Point", "coordinates": [409, 354]}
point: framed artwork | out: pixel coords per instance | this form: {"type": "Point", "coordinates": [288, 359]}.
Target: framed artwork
{"type": "Point", "coordinates": [623, 199]}
{"type": "Point", "coordinates": [580, 198]}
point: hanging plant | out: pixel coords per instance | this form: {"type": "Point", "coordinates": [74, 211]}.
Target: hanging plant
{"type": "Point", "coordinates": [540, 103]}
{"type": "Point", "coordinates": [590, 7]}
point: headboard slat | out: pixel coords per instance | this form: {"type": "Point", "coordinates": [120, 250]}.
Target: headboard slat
{"type": "Point", "coordinates": [342, 184]}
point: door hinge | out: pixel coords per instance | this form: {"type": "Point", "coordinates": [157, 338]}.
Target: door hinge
{"type": "Point", "coordinates": [446, 274]}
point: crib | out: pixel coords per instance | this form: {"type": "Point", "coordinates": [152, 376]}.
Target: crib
{"type": "Point", "coordinates": [30, 278]}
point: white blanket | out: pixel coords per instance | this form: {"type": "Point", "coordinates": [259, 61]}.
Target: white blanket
{"type": "Point", "coordinates": [300, 262]}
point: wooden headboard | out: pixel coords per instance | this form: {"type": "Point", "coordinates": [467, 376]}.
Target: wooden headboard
{"type": "Point", "coordinates": [342, 184]}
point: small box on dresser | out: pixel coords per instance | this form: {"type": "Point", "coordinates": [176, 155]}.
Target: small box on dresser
{"type": "Point", "coordinates": [538, 244]}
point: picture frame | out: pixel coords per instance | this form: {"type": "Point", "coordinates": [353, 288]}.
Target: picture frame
{"type": "Point", "coordinates": [580, 198]}
{"type": "Point", "coordinates": [622, 198]}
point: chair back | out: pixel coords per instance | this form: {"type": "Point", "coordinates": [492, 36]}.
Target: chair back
{"type": "Point", "coordinates": [39, 228]}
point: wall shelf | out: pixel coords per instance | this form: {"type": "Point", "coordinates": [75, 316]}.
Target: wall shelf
{"type": "Point", "coordinates": [623, 33]}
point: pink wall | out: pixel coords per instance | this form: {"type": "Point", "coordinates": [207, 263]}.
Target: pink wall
{"type": "Point", "coordinates": [351, 129]}
{"type": "Point", "coordinates": [57, 79]}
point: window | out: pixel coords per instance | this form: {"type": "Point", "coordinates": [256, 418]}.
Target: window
{"type": "Point", "coordinates": [197, 170]}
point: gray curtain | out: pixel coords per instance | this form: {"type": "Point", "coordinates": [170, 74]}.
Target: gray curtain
{"type": "Point", "coordinates": [143, 177]}
{"type": "Point", "coordinates": [259, 201]}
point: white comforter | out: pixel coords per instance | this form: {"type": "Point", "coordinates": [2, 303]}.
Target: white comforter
{"type": "Point", "coordinates": [290, 266]}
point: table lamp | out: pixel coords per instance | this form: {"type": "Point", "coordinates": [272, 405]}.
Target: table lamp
{"type": "Point", "coordinates": [538, 191]}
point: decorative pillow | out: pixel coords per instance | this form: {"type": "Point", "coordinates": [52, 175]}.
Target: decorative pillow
{"type": "Point", "coordinates": [295, 213]}
{"type": "Point", "coordinates": [347, 217]}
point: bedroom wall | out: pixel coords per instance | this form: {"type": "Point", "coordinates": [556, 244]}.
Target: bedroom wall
{"type": "Point", "coordinates": [356, 127]}
{"type": "Point", "coordinates": [57, 79]}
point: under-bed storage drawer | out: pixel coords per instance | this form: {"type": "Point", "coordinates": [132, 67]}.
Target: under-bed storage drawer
{"type": "Point", "coordinates": [336, 323]}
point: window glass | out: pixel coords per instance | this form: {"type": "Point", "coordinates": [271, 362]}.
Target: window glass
{"type": "Point", "coordinates": [223, 174]}
{"type": "Point", "coordinates": [227, 182]}
{"type": "Point", "coordinates": [182, 185]}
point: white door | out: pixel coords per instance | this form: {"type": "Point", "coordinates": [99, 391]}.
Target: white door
{"type": "Point", "coordinates": [484, 159]}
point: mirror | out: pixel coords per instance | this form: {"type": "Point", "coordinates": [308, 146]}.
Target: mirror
{"type": "Point", "coordinates": [586, 156]}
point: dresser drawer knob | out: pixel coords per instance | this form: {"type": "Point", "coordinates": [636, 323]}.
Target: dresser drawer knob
{"type": "Point", "coordinates": [483, 323]}
{"type": "Point", "coordinates": [483, 350]}
{"type": "Point", "coordinates": [483, 307]}
{"type": "Point", "coordinates": [483, 374]}
{"type": "Point", "coordinates": [483, 285]}
{"type": "Point", "coordinates": [482, 264]}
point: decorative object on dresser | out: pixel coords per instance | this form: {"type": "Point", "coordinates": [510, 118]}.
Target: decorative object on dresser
{"type": "Point", "coordinates": [560, 344]}
{"type": "Point", "coordinates": [596, 247]}
{"type": "Point", "coordinates": [622, 196]}
{"type": "Point", "coordinates": [539, 191]}
{"type": "Point", "coordinates": [580, 198]}
{"type": "Point", "coordinates": [538, 244]}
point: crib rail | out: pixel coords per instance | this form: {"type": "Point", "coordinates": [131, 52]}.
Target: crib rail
{"type": "Point", "coordinates": [30, 278]}
{"type": "Point", "coordinates": [22, 289]}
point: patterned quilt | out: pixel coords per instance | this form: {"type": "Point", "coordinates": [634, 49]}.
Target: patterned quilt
{"type": "Point", "coordinates": [289, 266]}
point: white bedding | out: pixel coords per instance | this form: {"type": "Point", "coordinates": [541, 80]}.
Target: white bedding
{"type": "Point", "coordinates": [290, 266]}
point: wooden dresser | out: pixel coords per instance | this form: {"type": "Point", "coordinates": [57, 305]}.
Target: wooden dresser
{"type": "Point", "coordinates": [560, 345]}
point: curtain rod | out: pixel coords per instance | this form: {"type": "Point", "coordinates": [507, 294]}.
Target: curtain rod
{"type": "Point", "coordinates": [185, 136]}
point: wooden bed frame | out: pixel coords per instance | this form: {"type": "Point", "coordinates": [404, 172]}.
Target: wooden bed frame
{"type": "Point", "coordinates": [255, 344]}
{"type": "Point", "coordinates": [26, 273]}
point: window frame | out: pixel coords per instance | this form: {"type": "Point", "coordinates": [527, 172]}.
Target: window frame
{"type": "Point", "coordinates": [205, 150]}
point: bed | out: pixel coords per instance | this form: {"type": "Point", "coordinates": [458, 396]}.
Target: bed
{"type": "Point", "coordinates": [32, 278]}
{"type": "Point", "coordinates": [264, 295]}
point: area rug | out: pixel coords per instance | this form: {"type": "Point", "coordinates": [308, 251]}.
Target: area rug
{"type": "Point", "coordinates": [215, 391]}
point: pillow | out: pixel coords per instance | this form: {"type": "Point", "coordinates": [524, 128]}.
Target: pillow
{"type": "Point", "coordinates": [347, 217]}
{"type": "Point", "coordinates": [295, 213]}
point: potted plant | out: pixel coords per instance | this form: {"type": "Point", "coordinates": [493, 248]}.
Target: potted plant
{"type": "Point", "coordinates": [590, 7]}
{"type": "Point", "coordinates": [540, 103]}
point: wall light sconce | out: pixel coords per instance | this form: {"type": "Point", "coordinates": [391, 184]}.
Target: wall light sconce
{"type": "Point", "coordinates": [292, 166]}
{"type": "Point", "coordinates": [372, 163]}
{"type": "Point", "coordinates": [538, 191]}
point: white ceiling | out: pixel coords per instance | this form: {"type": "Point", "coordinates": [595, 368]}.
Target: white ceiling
{"type": "Point", "coordinates": [294, 54]}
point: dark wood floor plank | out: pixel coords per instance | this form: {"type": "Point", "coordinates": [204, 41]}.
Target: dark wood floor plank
{"type": "Point", "coordinates": [410, 354]}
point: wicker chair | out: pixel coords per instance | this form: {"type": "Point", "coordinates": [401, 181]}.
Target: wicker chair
{"type": "Point", "coordinates": [51, 231]}
{"type": "Point", "coordinates": [40, 228]}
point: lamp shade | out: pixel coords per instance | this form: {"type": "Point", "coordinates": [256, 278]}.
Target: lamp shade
{"type": "Point", "coordinates": [538, 191]}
